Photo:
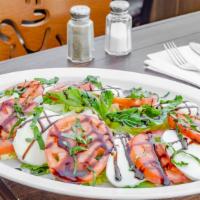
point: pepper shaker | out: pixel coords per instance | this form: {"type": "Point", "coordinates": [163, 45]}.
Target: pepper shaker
{"type": "Point", "coordinates": [118, 29]}
{"type": "Point", "coordinates": [80, 35]}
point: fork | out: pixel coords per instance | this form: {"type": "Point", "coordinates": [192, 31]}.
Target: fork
{"type": "Point", "coordinates": [177, 57]}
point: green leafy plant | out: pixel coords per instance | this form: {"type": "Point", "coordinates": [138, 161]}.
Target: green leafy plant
{"type": "Point", "coordinates": [48, 82]}
{"type": "Point", "coordinates": [36, 170]}
{"type": "Point", "coordinates": [95, 80]}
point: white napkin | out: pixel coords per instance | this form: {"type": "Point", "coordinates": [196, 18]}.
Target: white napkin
{"type": "Point", "coordinates": [161, 62]}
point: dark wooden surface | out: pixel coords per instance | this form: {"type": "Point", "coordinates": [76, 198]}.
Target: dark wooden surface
{"type": "Point", "coordinates": [146, 39]}
{"type": "Point", "coordinates": [163, 9]}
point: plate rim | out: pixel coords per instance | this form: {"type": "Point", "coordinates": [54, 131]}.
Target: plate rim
{"type": "Point", "coordinates": [101, 192]}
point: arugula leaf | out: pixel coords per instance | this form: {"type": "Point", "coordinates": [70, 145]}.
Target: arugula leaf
{"type": "Point", "coordinates": [37, 136]}
{"type": "Point", "coordinates": [102, 104]}
{"type": "Point", "coordinates": [151, 111]}
{"type": "Point", "coordinates": [76, 149]}
{"type": "Point", "coordinates": [53, 98]}
{"type": "Point", "coordinates": [78, 137]}
{"type": "Point", "coordinates": [20, 118]}
{"type": "Point", "coordinates": [18, 123]}
{"type": "Point", "coordinates": [95, 80]}
{"type": "Point", "coordinates": [71, 98]}
{"type": "Point", "coordinates": [9, 92]}
{"type": "Point", "coordinates": [14, 90]}
{"type": "Point", "coordinates": [138, 93]}
{"type": "Point", "coordinates": [36, 170]}
{"type": "Point", "coordinates": [180, 164]}
{"type": "Point", "coordinates": [75, 99]}
{"type": "Point", "coordinates": [18, 110]}
{"type": "Point", "coordinates": [173, 103]}
{"type": "Point", "coordinates": [142, 117]}
{"type": "Point", "coordinates": [49, 82]}
{"type": "Point", "coordinates": [36, 132]}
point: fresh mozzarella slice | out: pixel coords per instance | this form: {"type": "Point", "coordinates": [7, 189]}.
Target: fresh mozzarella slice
{"type": "Point", "coordinates": [188, 108]}
{"type": "Point", "coordinates": [27, 151]}
{"type": "Point", "coordinates": [191, 168]}
{"type": "Point", "coordinates": [170, 137]}
{"type": "Point", "coordinates": [186, 161]}
{"type": "Point", "coordinates": [35, 156]}
{"type": "Point", "coordinates": [116, 90]}
{"type": "Point", "coordinates": [127, 176]}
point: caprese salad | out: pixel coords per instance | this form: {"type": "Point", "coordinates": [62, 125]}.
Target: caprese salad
{"type": "Point", "coordinates": [91, 133]}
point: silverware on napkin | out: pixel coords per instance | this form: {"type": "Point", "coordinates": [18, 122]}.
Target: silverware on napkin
{"type": "Point", "coordinates": [177, 58]}
{"type": "Point", "coordinates": [195, 47]}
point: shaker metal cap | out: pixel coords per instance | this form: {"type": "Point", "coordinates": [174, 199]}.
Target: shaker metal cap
{"type": "Point", "coordinates": [80, 12]}
{"type": "Point", "coordinates": [119, 6]}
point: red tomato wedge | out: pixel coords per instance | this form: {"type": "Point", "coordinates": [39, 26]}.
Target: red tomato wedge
{"type": "Point", "coordinates": [173, 173]}
{"type": "Point", "coordinates": [8, 117]}
{"type": "Point", "coordinates": [184, 125]}
{"type": "Point", "coordinates": [130, 102]}
{"type": "Point", "coordinates": [153, 161]}
{"type": "Point", "coordinates": [91, 158]}
{"type": "Point", "coordinates": [6, 147]}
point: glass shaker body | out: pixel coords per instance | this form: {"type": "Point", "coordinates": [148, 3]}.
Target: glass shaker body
{"type": "Point", "coordinates": [80, 40]}
{"type": "Point", "coordinates": [118, 40]}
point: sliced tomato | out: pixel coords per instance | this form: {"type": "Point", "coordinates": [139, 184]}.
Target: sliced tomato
{"type": "Point", "coordinates": [8, 118]}
{"type": "Point", "coordinates": [152, 159]}
{"type": "Point", "coordinates": [81, 166]}
{"type": "Point", "coordinates": [181, 122]}
{"type": "Point", "coordinates": [130, 102]}
{"type": "Point", "coordinates": [143, 156]}
{"type": "Point", "coordinates": [6, 147]}
{"type": "Point", "coordinates": [173, 173]}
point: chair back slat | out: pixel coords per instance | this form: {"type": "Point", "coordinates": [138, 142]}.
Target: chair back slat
{"type": "Point", "coordinates": [28, 26]}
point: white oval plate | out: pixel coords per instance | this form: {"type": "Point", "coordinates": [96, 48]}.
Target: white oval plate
{"type": "Point", "coordinates": [112, 77]}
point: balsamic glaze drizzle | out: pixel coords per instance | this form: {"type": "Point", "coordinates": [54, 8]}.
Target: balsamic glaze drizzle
{"type": "Point", "coordinates": [181, 139]}
{"type": "Point", "coordinates": [124, 140]}
{"type": "Point", "coordinates": [43, 128]}
{"type": "Point", "coordinates": [166, 180]}
{"type": "Point", "coordinates": [102, 138]}
{"type": "Point", "coordinates": [188, 107]}
{"type": "Point", "coordinates": [118, 176]}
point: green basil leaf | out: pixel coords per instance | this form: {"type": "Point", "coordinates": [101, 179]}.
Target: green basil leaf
{"type": "Point", "coordinates": [18, 123]}
{"type": "Point", "coordinates": [76, 149]}
{"type": "Point", "coordinates": [95, 80]}
{"type": "Point", "coordinates": [48, 82]}
{"type": "Point", "coordinates": [36, 170]}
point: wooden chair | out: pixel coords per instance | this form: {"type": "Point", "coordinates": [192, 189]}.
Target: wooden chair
{"type": "Point", "coordinates": [28, 26]}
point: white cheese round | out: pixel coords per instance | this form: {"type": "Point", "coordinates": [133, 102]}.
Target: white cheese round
{"type": "Point", "coordinates": [127, 176]}
{"type": "Point", "coordinates": [185, 160]}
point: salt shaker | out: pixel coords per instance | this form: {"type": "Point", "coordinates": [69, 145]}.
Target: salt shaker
{"type": "Point", "coordinates": [118, 29]}
{"type": "Point", "coordinates": [80, 34]}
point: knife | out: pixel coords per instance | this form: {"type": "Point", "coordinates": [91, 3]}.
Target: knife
{"type": "Point", "coordinates": [195, 47]}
